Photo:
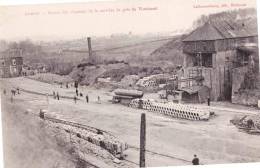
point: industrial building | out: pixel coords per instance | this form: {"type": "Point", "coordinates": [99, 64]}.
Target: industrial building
{"type": "Point", "coordinates": [11, 63]}
{"type": "Point", "coordinates": [213, 51]}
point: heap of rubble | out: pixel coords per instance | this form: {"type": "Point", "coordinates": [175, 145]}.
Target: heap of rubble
{"type": "Point", "coordinates": [247, 123]}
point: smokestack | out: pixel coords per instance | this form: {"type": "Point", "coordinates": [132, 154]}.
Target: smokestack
{"type": "Point", "coordinates": [90, 50]}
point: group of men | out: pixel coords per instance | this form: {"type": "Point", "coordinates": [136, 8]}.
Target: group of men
{"type": "Point", "coordinates": [56, 95]}
{"type": "Point", "coordinates": [77, 94]}
{"type": "Point", "coordinates": [81, 95]}
{"type": "Point", "coordinates": [13, 92]}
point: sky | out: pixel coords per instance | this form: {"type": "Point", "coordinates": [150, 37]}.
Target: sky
{"type": "Point", "coordinates": [75, 20]}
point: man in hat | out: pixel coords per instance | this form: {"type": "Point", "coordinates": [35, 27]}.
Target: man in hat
{"type": "Point", "coordinates": [195, 160]}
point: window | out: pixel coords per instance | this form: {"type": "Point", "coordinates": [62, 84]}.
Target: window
{"type": "Point", "coordinates": [203, 59]}
{"type": "Point", "coordinates": [242, 58]}
{"type": "Point", "coordinates": [207, 60]}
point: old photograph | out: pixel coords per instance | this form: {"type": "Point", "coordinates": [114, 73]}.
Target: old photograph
{"type": "Point", "coordinates": [144, 83]}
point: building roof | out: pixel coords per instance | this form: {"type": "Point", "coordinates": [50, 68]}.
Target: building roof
{"type": "Point", "coordinates": [10, 53]}
{"type": "Point", "coordinates": [223, 28]}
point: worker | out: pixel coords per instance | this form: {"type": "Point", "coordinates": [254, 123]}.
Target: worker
{"type": "Point", "coordinates": [54, 95]}
{"type": "Point", "coordinates": [250, 123]}
{"type": "Point", "coordinates": [87, 98]}
{"type": "Point", "coordinates": [208, 101]}
{"type": "Point", "coordinates": [18, 90]}
{"type": "Point", "coordinates": [58, 96]}
{"type": "Point", "coordinates": [80, 94]}
{"type": "Point", "coordinates": [13, 92]}
{"type": "Point", "coordinates": [67, 85]}
{"type": "Point", "coordinates": [77, 92]}
{"type": "Point", "coordinates": [76, 85]}
{"type": "Point", "coordinates": [98, 99]}
{"type": "Point", "coordinates": [195, 160]}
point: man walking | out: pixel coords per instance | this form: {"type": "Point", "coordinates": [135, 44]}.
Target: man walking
{"type": "Point", "coordinates": [58, 96]}
{"type": "Point", "coordinates": [77, 92]}
{"type": "Point", "coordinates": [54, 95]}
{"type": "Point", "coordinates": [195, 160]}
{"type": "Point", "coordinates": [98, 99]}
{"type": "Point", "coordinates": [87, 98]}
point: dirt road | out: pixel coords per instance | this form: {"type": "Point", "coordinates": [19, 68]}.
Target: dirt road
{"type": "Point", "coordinates": [215, 141]}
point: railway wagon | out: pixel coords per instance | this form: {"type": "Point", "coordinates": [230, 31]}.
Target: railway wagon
{"type": "Point", "coordinates": [126, 92]}
{"type": "Point", "coordinates": [125, 96]}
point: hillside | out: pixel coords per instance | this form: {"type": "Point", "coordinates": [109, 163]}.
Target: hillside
{"type": "Point", "coordinates": [171, 51]}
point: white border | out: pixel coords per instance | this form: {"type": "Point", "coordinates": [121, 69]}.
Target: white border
{"type": "Point", "coordinates": [23, 2]}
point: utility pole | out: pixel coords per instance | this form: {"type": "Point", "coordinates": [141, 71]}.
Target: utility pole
{"type": "Point", "coordinates": [142, 140]}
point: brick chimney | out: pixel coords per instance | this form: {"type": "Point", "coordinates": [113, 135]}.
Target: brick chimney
{"type": "Point", "coordinates": [91, 59]}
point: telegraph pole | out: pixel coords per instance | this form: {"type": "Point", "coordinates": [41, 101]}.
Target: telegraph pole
{"type": "Point", "coordinates": [142, 140]}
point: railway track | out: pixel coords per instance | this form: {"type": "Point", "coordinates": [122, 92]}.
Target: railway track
{"type": "Point", "coordinates": [78, 125]}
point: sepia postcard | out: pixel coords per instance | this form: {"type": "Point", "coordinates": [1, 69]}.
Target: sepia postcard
{"type": "Point", "coordinates": [125, 84]}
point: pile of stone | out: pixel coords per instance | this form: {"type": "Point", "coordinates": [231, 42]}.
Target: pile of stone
{"type": "Point", "coordinates": [254, 118]}
{"type": "Point", "coordinates": [153, 80]}
{"type": "Point", "coordinates": [147, 82]}
{"type": "Point", "coordinates": [249, 124]}
{"type": "Point", "coordinates": [129, 80]}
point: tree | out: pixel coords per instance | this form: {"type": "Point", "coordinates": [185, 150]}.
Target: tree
{"type": "Point", "coordinates": [201, 21]}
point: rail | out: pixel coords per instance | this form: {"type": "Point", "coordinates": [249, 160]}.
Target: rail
{"type": "Point", "coordinates": [81, 126]}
